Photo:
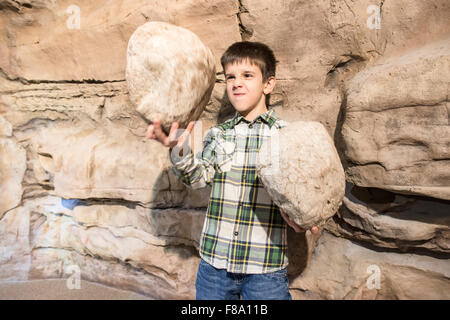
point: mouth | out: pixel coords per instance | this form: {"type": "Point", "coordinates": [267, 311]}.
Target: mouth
{"type": "Point", "coordinates": [238, 94]}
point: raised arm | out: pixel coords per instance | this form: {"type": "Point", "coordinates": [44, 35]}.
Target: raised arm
{"type": "Point", "coordinates": [194, 171]}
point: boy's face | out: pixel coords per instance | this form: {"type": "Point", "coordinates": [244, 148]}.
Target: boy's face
{"type": "Point", "coordinates": [245, 87]}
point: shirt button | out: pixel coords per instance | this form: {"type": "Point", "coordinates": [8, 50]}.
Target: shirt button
{"type": "Point", "coordinates": [236, 233]}
{"type": "Point", "coordinates": [250, 125]}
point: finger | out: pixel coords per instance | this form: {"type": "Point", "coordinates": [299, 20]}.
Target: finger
{"type": "Point", "coordinates": [150, 133]}
{"type": "Point", "coordinates": [186, 133]}
{"type": "Point", "coordinates": [286, 217]}
{"type": "Point", "coordinates": [296, 228]}
{"type": "Point", "coordinates": [190, 126]}
{"type": "Point", "coordinates": [158, 132]}
{"type": "Point", "coordinates": [172, 138]}
{"type": "Point", "coordinates": [291, 223]}
{"type": "Point", "coordinates": [173, 131]}
{"type": "Point", "coordinates": [315, 230]}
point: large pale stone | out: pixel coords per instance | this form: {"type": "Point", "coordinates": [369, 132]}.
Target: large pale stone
{"type": "Point", "coordinates": [170, 73]}
{"type": "Point", "coordinates": [301, 170]}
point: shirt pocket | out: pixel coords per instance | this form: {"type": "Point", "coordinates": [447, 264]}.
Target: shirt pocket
{"type": "Point", "coordinates": [224, 152]}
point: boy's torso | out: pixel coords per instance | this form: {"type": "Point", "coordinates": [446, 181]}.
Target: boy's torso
{"type": "Point", "coordinates": [243, 231]}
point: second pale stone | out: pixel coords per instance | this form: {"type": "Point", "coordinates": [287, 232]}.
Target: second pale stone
{"type": "Point", "coordinates": [301, 170]}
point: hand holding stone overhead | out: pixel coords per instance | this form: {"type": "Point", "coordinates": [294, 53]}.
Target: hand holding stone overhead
{"type": "Point", "coordinates": [155, 132]}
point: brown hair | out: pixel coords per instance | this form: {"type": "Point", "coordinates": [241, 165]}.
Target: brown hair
{"type": "Point", "coordinates": [256, 52]}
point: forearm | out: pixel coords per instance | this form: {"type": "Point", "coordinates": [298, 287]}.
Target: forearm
{"type": "Point", "coordinates": [193, 172]}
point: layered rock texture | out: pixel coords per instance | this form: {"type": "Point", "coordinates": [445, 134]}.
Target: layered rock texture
{"type": "Point", "coordinates": [399, 139]}
{"type": "Point", "coordinates": [374, 73]}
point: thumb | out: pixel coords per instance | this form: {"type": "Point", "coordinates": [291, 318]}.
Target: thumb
{"type": "Point", "coordinates": [186, 133]}
{"type": "Point", "coordinates": [173, 132]}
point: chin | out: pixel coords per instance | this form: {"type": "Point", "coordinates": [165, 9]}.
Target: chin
{"type": "Point", "coordinates": [242, 109]}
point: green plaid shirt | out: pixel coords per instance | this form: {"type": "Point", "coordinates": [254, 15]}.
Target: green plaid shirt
{"type": "Point", "coordinates": [244, 231]}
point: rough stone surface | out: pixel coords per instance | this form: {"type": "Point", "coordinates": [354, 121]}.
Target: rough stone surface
{"type": "Point", "coordinates": [398, 136]}
{"type": "Point", "coordinates": [108, 163]}
{"type": "Point", "coordinates": [301, 170]}
{"type": "Point", "coordinates": [342, 269]}
{"type": "Point", "coordinates": [12, 170]}
{"type": "Point", "coordinates": [394, 221]}
{"type": "Point", "coordinates": [42, 239]}
{"type": "Point", "coordinates": [322, 44]}
{"type": "Point", "coordinates": [170, 73]}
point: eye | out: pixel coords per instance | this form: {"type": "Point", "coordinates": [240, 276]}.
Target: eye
{"type": "Point", "coordinates": [229, 77]}
{"type": "Point", "coordinates": [248, 75]}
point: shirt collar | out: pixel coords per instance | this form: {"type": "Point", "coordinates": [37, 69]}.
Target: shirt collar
{"type": "Point", "coordinates": [268, 117]}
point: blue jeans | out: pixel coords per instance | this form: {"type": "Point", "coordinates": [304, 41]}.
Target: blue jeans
{"type": "Point", "coordinates": [218, 284]}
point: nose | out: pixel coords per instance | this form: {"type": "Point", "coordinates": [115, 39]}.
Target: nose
{"type": "Point", "coordinates": [237, 83]}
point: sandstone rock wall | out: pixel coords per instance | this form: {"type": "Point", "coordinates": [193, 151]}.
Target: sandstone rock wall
{"type": "Point", "coordinates": [374, 73]}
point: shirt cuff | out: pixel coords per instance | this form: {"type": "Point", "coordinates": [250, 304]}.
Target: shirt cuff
{"type": "Point", "coordinates": [181, 162]}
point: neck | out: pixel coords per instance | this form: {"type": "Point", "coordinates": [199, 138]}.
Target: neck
{"type": "Point", "coordinates": [254, 113]}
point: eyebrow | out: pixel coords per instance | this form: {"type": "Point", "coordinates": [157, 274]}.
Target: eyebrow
{"type": "Point", "coordinates": [245, 71]}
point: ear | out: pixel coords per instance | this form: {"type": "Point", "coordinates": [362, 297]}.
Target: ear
{"type": "Point", "coordinates": [269, 85]}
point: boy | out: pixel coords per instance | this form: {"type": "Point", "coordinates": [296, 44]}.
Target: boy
{"type": "Point", "coordinates": [244, 241]}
